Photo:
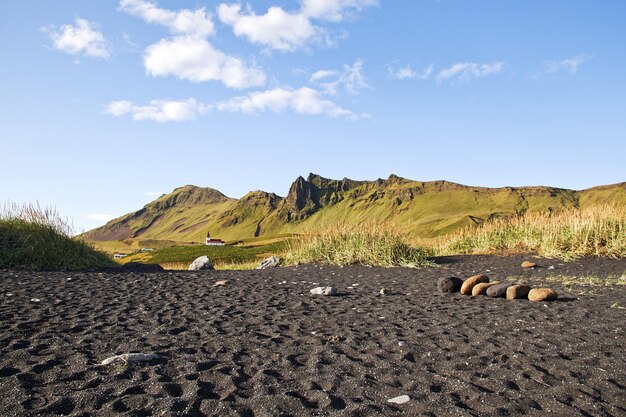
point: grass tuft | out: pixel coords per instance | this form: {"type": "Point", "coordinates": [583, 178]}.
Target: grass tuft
{"type": "Point", "coordinates": [36, 238]}
{"type": "Point", "coordinates": [568, 234]}
{"type": "Point", "coordinates": [366, 244]}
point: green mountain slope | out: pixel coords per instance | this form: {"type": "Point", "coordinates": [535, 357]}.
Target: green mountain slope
{"type": "Point", "coordinates": [424, 209]}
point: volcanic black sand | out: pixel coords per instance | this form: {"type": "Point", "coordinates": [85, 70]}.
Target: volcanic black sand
{"type": "Point", "coordinates": [261, 345]}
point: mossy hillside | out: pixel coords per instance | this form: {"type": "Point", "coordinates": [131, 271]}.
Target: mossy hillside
{"type": "Point", "coordinates": [422, 209]}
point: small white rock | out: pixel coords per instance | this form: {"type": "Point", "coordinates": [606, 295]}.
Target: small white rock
{"type": "Point", "coordinates": [400, 400]}
{"type": "Point", "coordinates": [401, 343]}
{"type": "Point", "coordinates": [35, 300]}
{"type": "Point", "coordinates": [130, 357]}
{"type": "Point", "coordinates": [324, 291]}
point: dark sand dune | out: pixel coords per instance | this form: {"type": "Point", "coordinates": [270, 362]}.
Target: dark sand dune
{"type": "Point", "coordinates": [261, 345]}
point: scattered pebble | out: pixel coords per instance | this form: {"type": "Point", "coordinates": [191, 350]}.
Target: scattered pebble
{"type": "Point", "coordinates": [384, 291]}
{"type": "Point", "coordinates": [400, 400]}
{"type": "Point", "coordinates": [542, 294]}
{"type": "Point", "coordinates": [528, 264]}
{"type": "Point", "coordinates": [469, 283]}
{"type": "Point", "coordinates": [515, 292]}
{"type": "Point", "coordinates": [481, 288]}
{"type": "Point", "coordinates": [324, 291]}
{"type": "Point", "coordinates": [220, 282]}
{"type": "Point", "coordinates": [401, 343]}
{"type": "Point", "coordinates": [131, 357]}
{"type": "Point", "coordinates": [449, 284]}
{"type": "Point", "coordinates": [35, 300]}
{"type": "Point", "coordinates": [499, 290]}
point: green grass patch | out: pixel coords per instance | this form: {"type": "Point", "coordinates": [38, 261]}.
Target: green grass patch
{"type": "Point", "coordinates": [33, 238]}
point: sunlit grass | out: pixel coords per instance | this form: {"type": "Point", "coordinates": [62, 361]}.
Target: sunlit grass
{"type": "Point", "coordinates": [568, 234]}
{"type": "Point", "coordinates": [37, 238]}
{"type": "Point", "coordinates": [366, 244]}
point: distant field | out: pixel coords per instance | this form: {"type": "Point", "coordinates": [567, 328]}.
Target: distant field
{"type": "Point", "coordinates": [219, 255]}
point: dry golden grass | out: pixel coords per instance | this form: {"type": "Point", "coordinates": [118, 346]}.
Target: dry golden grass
{"type": "Point", "coordinates": [366, 244]}
{"type": "Point", "coordinates": [567, 234]}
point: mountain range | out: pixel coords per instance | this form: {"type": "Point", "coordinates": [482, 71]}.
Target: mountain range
{"type": "Point", "coordinates": [423, 209]}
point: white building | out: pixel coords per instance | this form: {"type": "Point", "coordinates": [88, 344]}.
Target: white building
{"type": "Point", "coordinates": [213, 242]}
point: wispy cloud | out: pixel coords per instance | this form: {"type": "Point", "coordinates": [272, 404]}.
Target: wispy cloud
{"type": "Point", "coordinates": [81, 38]}
{"type": "Point", "coordinates": [407, 72]}
{"type": "Point", "coordinates": [570, 65]}
{"type": "Point", "coordinates": [158, 110]}
{"type": "Point", "coordinates": [304, 100]}
{"type": "Point", "coordinates": [284, 30]}
{"type": "Point", "coordinates": [466, 71]}
{"type": "Point", "coordinates": [350, 79]}
{"type": "Point", "coordinates": [188, 55]}
{"type": "Point", "coordinates": [101, 217]}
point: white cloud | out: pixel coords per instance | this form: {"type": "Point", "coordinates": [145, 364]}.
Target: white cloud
{"type": "Point", "coordinates": [182, 22]}
{"type": "Point", "coordinates": [80, 38]}
{"type": "Point", "coordinates": [101, 217]}
{"type": "Point", "coordinates": [196, 60]}
{"type": "Point", "coordinates": [465, 71]}
{"type": "Point", "coordinates": [304, 100]}
{"type": "Point", "coordinates": [406, 72]}
{"type": "Point", "coordinates": [350, 78]}
{"type": "Point", "coordinates": [286, 31]}
{"type": "Point", "coordinates": [188, 55]}
{"type": "Point", "coordinates": [570, 65]}
{"type": "Point", "coordinates": [277, 28]}
{"type": "Point", "coordinates": [158, 110]}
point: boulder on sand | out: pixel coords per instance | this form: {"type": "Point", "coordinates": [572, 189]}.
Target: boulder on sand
{"type": "Point", "coordinates": [482, 288]}
{"type": "Point", "coordinates": [449, 284]}
{"type": "Point", "coordinates": [201, 263]}
{"type": "Point", "coordinates": [498, 290]}
{"type": "Point", "coordinates": [271, 262]}
{"type": "Point", "coordinates": [469, 283]}
{"type": "Point", "coordinates": [515, 292]}
{"type": "Point", "coordinates": [542, 294]}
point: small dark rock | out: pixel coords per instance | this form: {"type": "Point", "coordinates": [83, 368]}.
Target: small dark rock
{"type": "Point", "coordinates": [498, 290]}
{"type": "Point", "coordinates": [449, 284]}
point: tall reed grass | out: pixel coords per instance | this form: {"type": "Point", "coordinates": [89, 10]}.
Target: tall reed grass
{"type": "Point", "coordinates": [38, 238]}
{"type": "Point", "coordinates": [366, 244]}
{"type": "Point", "coordinates": [567, 234]}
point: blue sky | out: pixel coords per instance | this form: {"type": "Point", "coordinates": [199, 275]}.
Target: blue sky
{"type": "Point", "coordinates": [107, 104]}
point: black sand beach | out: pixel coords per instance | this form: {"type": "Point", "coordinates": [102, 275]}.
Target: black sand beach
{"type": "Point", "coordinates": [261, 345]}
